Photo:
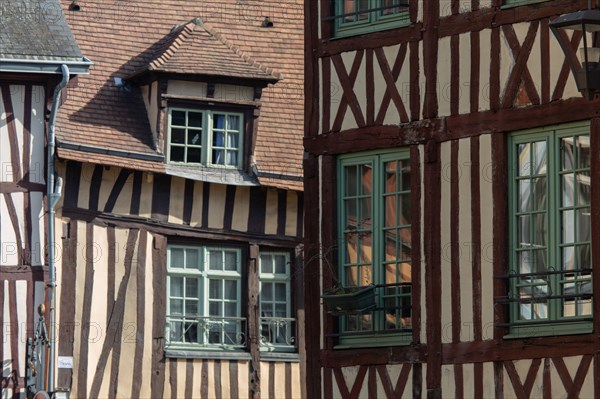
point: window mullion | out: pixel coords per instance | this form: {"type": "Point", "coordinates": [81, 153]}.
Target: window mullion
{"type": "Point", "coordinates": [207, 122]}
{"type": "Point", "coordinates": [554, 223]}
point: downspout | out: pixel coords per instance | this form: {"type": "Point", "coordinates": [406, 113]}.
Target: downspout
{"type": "Point", "coordinates": [54, 188]}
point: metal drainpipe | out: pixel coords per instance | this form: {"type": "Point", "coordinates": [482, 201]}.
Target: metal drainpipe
{"type": "Point", "coordinates": [53, 195]}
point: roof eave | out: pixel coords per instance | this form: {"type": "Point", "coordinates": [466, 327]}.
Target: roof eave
{"type": "Point", "coordinates": [45, 66]}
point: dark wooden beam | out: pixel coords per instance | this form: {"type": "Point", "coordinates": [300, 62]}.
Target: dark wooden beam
{"type": "Point", "coordinates": [452, 127]}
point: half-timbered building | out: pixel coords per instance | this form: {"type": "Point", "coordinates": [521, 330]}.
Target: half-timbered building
{"type": "Point", "coordinates": [180, 221]}
{"type": "Point", "coordinates": [38, 56]}
{"type": "Point", "coordinates": [449, 171]}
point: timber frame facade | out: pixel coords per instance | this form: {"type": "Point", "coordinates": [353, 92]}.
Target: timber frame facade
{"type": "Point", "coordinates": [453, 89]}
{"type": "Point", "coordinates": [178, 233]}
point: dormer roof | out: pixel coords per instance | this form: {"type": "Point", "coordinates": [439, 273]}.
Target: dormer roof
{"type": "Point", "coordinates": [35, 37]}
{"type": "Point", "coordinates": [194, 48]}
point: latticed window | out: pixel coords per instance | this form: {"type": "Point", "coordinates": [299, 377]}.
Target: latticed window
{"type": "Point", "coordinates": [277, 325]}
{"type": "Point", "coordinates": [375, 244]}
{"type": "Point", "coordinates": [207, 138]}
{"type": "Point", "coordinates": [353, 17]}
{"type": "Point", "coordinates": [550, 247]}
{"type": "Point", "coordinates": [204, 298]}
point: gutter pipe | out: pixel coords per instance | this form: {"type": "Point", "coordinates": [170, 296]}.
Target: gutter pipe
{"type": "Point", "coordinates": [54, 189]}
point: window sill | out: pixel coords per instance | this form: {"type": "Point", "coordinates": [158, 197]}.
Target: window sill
{"type": "Point", "coordinates": [522, 3]}
{"type": "Point", "coordinates": [206, 354]}
{"type": "Point", "coordinates": [350, 33]}
{"type": "Point", "coordinates": [374, 340]}
{"type": "Point", "coordinates": [279, 357]}
{"type": "Point", "coordinates": [234, 177]}
{"type": "Point", "coordinates": [548, 330]}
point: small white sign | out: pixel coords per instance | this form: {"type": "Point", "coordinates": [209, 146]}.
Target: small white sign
{"type": "Point", "coordinates": [65, 362]}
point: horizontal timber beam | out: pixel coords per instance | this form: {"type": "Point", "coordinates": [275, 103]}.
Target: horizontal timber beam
{"type": "Point", "coordinates": [374, 356]}
{"type": "Point", "coordinates": [468, 352]}
{"type": "Point", "coordinates": [516, 349]}
{"type": "Point", "coordinates": [452, 127]}
{"type": "Point", "coordinates": [177, 230]}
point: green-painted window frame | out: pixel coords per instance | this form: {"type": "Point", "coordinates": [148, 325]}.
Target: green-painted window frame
{"type": "Point", "coordinates": [552, 246]}
{"type": "Point", "coordinates": [277, 331]}
{"type": "Point", "coordinates": [377, 335]}
{"type": "Point", "coordinates": [199, 329]}
{"type": "Point", "coordinates": [206, 145]}
{"type": "Point", "coordinates": [375, 18]}
{"type": "Point", "coordinates": [516, 3]}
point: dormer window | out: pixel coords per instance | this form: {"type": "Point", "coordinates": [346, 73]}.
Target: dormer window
{"type": "Point", "coordinates": [205, 137]}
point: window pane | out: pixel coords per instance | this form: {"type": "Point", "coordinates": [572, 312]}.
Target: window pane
{"type": "Point", "coordinates": [538, 159]}
{"type": "Point", "coordinates": [524, 231]}
{"type": "Point", "coordinates": [267, 292]}
{"type": "Point", "coordinates": [177, 154]}
{"type": "Point", "coordinates": [176, 307]}
{"type": "Point", "coordinates": [524, 159]}
{"type": "Point", "coordinates": [177, 286]}
{"type": "Point", "coordinates": [233, 140]}
{"type": "Point", "coordinates": [281, 292]}
{"type": "Point", "coordinates": [218, 157]}
{"type": "Point", "coordinates": [191, 308]}
{"type": "Point", "coordinates": [176, 331]}
{"type": "Point", "coordinates": [280, 310]}
{"type": "Point", "coordinates": [231, 309]}
{"type": "Point", "coordinates": [524, 201]}
{"type": "Point", "coordinates": [214, 309]}
{"type": "Point", "coordinates": [218, 139]}
{"type": "Point", "coordinates": [176, 257]}
{"type": "Point", "coordinates": [350, 179]}
{"type": "Point", "coordinates": [215, 260]}
{"type": "Point", "coordinates": [191, 287]}
{"type": "Point", "coordinates": [178, 118]}
{"type": "Point", "coordinates": [567, 190]}
{"type": "Point", "coordinates": [233, 122]}
{"type": "Point", "coordinates": [584, 257]}
{"type": "Point", "coordinates": [568, 258]}
{"type": "Point", "coordinates": [583, 225]}
{"type": "Point", "coordinates": [389, 7]}
{"type": "Point", "coordinates": [231, 289]}
{"type": "Point", "coordinates": [583, 188]}
{"type": "Point", "coordinates": [367, 181]}
{"type": "Point", "coordinates": [232, 158]}
{"type": "Point", "coordinates": [194, 155]}
{"type": "Point", "coordinates": [583, 147]}
{"type": "Point", "coordinates": [194, 137]}
{"type": "Point", "coordinates": [230, 260]}
{"type": "Point", "coordinates": [192, 260]}
{"type": "Point", "coordinates": [568, 226]}
{"type": "Point", "coordinates": [218, 121]}
{"type": "Point", "coordinates": [266, 264]}
{"type": "Point", "coordinates": [567, 153]}
{"type": "Point", "coordinates": [280, 264]}
{"type": "Point", "coordinates": [195, 119]}
{"type": "Point", "coordinates": [177, 136]}
{"type": "Point", "coordinates": [215, 289]}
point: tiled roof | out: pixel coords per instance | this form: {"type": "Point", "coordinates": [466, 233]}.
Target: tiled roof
{"type": "Point", "coordinates": [36, 30]}
{"type": "Point", "coordinates": [123, 38]}
{"type": "Point", "coordinates": [194, 48]}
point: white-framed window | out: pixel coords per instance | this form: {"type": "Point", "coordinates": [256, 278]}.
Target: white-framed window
{"type": "Point", "coordinates": [204, 298]}
{"type": "Point", "coordinates": [205, 137]}
{"type": "Point", "coordinates": [277, 324]}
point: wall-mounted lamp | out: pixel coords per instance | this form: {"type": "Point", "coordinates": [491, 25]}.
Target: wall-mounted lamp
{"type": "Point", "coordinates": [585, 69]}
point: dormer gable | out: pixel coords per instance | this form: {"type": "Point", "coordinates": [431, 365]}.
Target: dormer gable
{"type": "Point", "coordinates": [202, 96]}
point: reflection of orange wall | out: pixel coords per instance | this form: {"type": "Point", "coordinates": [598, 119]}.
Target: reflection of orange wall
{"type": "Point", "coordinates": [348, 6]}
